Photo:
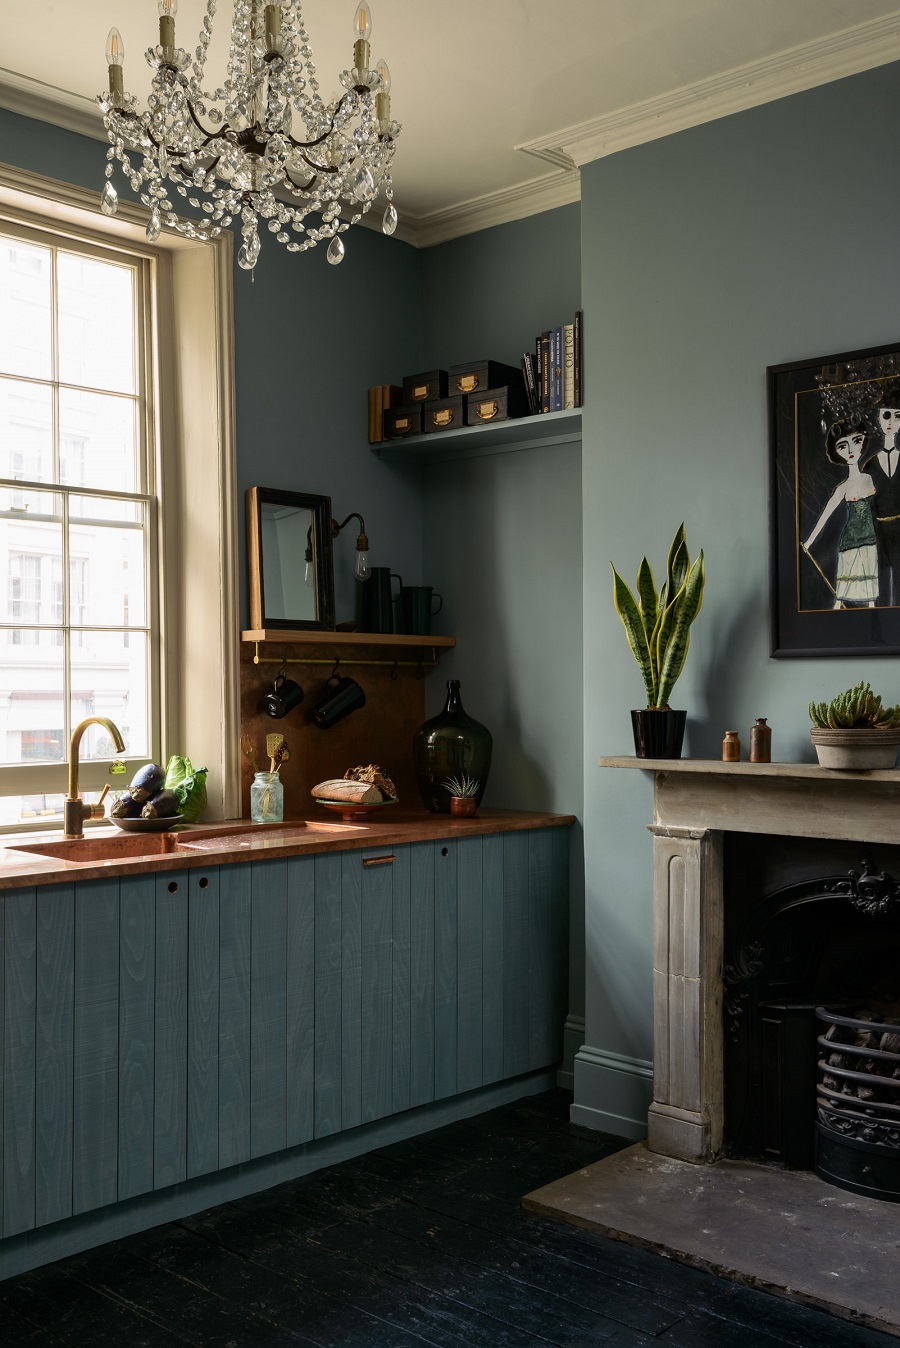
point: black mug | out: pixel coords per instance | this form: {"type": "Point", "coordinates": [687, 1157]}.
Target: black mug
{"type": "Point", "coordinates": [374, 601]}
{"type": "Point", "coordinates": [284, 697]}
{"type": "Point", "coordinates": [339, 699]}
{"type": "Point", "coordinates": [416, 611]}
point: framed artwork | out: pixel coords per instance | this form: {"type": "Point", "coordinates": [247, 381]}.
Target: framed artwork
{"type": "Point", "coordinates": [834, 547]}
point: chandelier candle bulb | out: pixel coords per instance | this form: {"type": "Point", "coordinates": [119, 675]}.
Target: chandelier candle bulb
{"type": "Point", "coordinates": [115, 56]}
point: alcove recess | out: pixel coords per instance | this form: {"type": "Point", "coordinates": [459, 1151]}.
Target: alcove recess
{"type": "Point", "coordinates": [391, 669]}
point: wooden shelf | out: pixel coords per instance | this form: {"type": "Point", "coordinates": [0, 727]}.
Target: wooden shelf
{"type": "Point", "coordinates": [287, 636]}
{"type": "Point", "coordinates": [502, 437]}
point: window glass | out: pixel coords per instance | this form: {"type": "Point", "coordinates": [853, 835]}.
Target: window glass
{"type": "Point", "coordinates": [76, 556]}
{"type": "Point", "coordinates": [26, 330]}
{"type": "Point", "coordinates": [96, 325]}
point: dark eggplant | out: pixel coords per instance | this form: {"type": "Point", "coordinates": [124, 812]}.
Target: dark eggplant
{"type": "Point", "coordinates": [126, 807]}
{"type": "Point", "coordinates": [146, 782]}
{"type": "Point", "coordinates": [161, 806]}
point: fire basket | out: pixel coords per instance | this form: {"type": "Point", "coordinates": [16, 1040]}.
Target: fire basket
{"type": "Point", "coordinates": [858, 1101]}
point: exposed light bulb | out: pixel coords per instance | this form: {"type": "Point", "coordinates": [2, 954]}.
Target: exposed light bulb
{"type": "Point", "coordinates": [167, 9]}
{"type": "Point", "coordinates": [309, 576]}
{"type": "Point", "coordinates": [363, 570]}
{"type": "Point", "coordinates": [115, 48]}
{"type": "Point", "coordinates": [362, 22]}
{"type": "Point", "coordinates": [382, 69]}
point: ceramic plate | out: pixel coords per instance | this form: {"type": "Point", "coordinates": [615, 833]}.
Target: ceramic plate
{"type": "Point", "coordinates": [348, 809]}
{"type": "Point", "coordinates": [140, 825]}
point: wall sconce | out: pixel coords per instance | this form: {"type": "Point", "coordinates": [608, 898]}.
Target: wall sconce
{"type": "Point", "coordinates": [363, 570]}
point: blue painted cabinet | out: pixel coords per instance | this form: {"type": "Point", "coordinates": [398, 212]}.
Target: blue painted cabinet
{"type": "Point", "coordinates": [162, 1027]}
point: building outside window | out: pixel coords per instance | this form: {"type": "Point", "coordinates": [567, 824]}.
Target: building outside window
{"type": "Point", "coordinates": [78, 549]}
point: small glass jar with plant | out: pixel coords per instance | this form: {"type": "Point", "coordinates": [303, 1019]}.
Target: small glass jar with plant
{"type": "Point", "coordinates": [657, 625]}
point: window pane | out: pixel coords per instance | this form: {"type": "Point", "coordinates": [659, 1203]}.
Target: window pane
{"type": "Point", "coordinates": [109, 678]}
{"type": "Point", "coordinates": [26, 430]}
{"type": "Point", "coordinates": [97, 441]}
{"type": "Point", "coordinates": [30, 559]}
{"type": "Point", "coordinates": [96, 324]}
{"type": "Point", "coordinates": [25, 329]}
{"type": "Point", "coordinates": [106, 576]}
{"type": "Point", "coordinates": [32, 701]}
{"type": "Point", "coordinates": [15, 810]}
{"type": "Point", "coordinates": [91, 509]}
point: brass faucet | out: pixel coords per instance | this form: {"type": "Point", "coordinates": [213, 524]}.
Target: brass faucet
{"type": "Point", "coordinates": [75, 810]}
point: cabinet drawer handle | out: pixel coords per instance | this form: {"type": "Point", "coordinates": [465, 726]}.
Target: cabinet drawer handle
{"type": "Point", "coordinates": [467, 383]}
{"type": "Point", "coordinates": [443, 417]}
{"type": "Point", "coordinates": [378, 861]}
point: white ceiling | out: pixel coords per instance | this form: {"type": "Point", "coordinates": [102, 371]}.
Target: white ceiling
{"type": "Point", "coordinates": [498, 99]}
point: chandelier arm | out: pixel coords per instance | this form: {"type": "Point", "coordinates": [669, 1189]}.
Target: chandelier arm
{"type": "Point", "coordinates": [310, 144]}
{"type": "Point", "coordinates": [302, 187]}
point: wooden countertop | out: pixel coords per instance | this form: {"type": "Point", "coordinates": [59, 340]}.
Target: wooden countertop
{"type": "Point", "coordinates": [109, 851]}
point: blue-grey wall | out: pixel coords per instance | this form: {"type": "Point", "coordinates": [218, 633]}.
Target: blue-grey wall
{"type": "Point", "coordinates": [502, 534]}
{"type": "Point", "coordinates": [765, 237]}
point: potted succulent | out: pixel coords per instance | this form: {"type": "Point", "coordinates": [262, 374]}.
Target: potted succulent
{"type": "Point", "coordinates": [854, 731]}
{"type": "Point", "coordinates": [657, 626]}
{"type": "Point", "coordinates": [463, 792]}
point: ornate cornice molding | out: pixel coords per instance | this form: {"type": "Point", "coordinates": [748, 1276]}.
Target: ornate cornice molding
{"type": "Point", "coordinates": [819, 62]}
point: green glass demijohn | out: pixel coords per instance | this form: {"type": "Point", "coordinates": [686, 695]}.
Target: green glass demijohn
{"type": "Point", "coordinates": [451, 744]}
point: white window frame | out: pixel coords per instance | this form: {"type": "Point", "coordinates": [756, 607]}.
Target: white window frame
{"type": "Point", "coordinates": [192, 394]}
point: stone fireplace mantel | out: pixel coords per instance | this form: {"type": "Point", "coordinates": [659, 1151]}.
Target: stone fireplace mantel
{"type": "Point", "coordinates": [695, 803]}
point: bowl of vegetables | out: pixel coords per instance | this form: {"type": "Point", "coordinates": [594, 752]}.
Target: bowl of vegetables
{"type": "Point", "coordinates": [159, 798]}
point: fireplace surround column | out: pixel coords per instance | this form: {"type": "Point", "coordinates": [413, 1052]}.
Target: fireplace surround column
{"type": "Point", "coordinates": [686, 1117]}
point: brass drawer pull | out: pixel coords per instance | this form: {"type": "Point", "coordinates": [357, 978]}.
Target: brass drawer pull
{"type": "Point", "coordinates": [443, 417]}
{"type": "Point", "coordinates": [467, 383]}
{"type": "Point", "coordinates": [378, 861]}
{"type": "Point", "coordinates": [420, 392]}
{"type": "Point", "coordinates": [402, 425]}
{"type": "Point", "coordinates": [487, 411]}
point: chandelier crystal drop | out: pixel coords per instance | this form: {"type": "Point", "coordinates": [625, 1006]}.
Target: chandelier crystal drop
{"type": "Point", "coordinates": [263, 150]}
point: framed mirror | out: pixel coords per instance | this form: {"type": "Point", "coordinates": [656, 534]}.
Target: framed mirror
{"type": "Point", "coordinates": [291, 582]}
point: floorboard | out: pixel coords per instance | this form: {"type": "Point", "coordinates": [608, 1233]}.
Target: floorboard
{"type": "Point", "coordinates": [423, 1242]}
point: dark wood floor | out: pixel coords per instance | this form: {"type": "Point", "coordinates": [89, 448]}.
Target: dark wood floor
{"type": "Point", "coordinates": [422, 1242]}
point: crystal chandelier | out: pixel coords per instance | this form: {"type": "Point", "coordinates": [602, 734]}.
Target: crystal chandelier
{"type": "Point", "coordinates": [265, 147]}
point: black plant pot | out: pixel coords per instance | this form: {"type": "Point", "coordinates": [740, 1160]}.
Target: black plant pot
{"type": "Point", "coordinates": [658, 733]}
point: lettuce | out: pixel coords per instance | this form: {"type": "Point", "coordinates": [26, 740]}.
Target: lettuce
{"type": "Point", "coordinates": [189, 785]}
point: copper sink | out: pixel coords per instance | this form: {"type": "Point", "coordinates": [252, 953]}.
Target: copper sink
{"type": "Point", "coordinates": [90, 849]}
{"type": "Point", "coordinates": [128, 846]}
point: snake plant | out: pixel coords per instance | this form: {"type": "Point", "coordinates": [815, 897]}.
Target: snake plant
{"type": "Point", "coordinates": [657, 625]}
{"type": "Point", "coordinates": [856, 709]}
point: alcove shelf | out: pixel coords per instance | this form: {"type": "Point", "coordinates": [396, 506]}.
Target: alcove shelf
{"type": "Point", "coordinates": [500, 437]}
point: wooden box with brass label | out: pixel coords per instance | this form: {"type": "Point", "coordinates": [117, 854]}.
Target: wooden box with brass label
{"type": "Point", "coordinates": [444, 415]}
{"type": "Point", "coordinates": [402, 421]}
{"type": "Point", "coordinates": [424, 388]}
{"type": "Point", "coordinates": [479, 376]}
{"type": "Point", "coordinates": [497, 404]}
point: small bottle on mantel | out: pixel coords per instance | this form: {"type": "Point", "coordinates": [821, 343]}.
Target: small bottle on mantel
{"type": "Point", "coordinates": [731, 747]}
{"type": "Point", "coordinates": [760, 741]}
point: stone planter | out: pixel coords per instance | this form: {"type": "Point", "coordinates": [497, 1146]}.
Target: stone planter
{"type": "Point", "coordinates": [856, 750]}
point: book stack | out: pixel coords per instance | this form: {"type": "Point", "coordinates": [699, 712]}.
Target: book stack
{"type": "Point", "coordinates": [554, 370]}
{"type": "Point", "coordinates": [381, 398]}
